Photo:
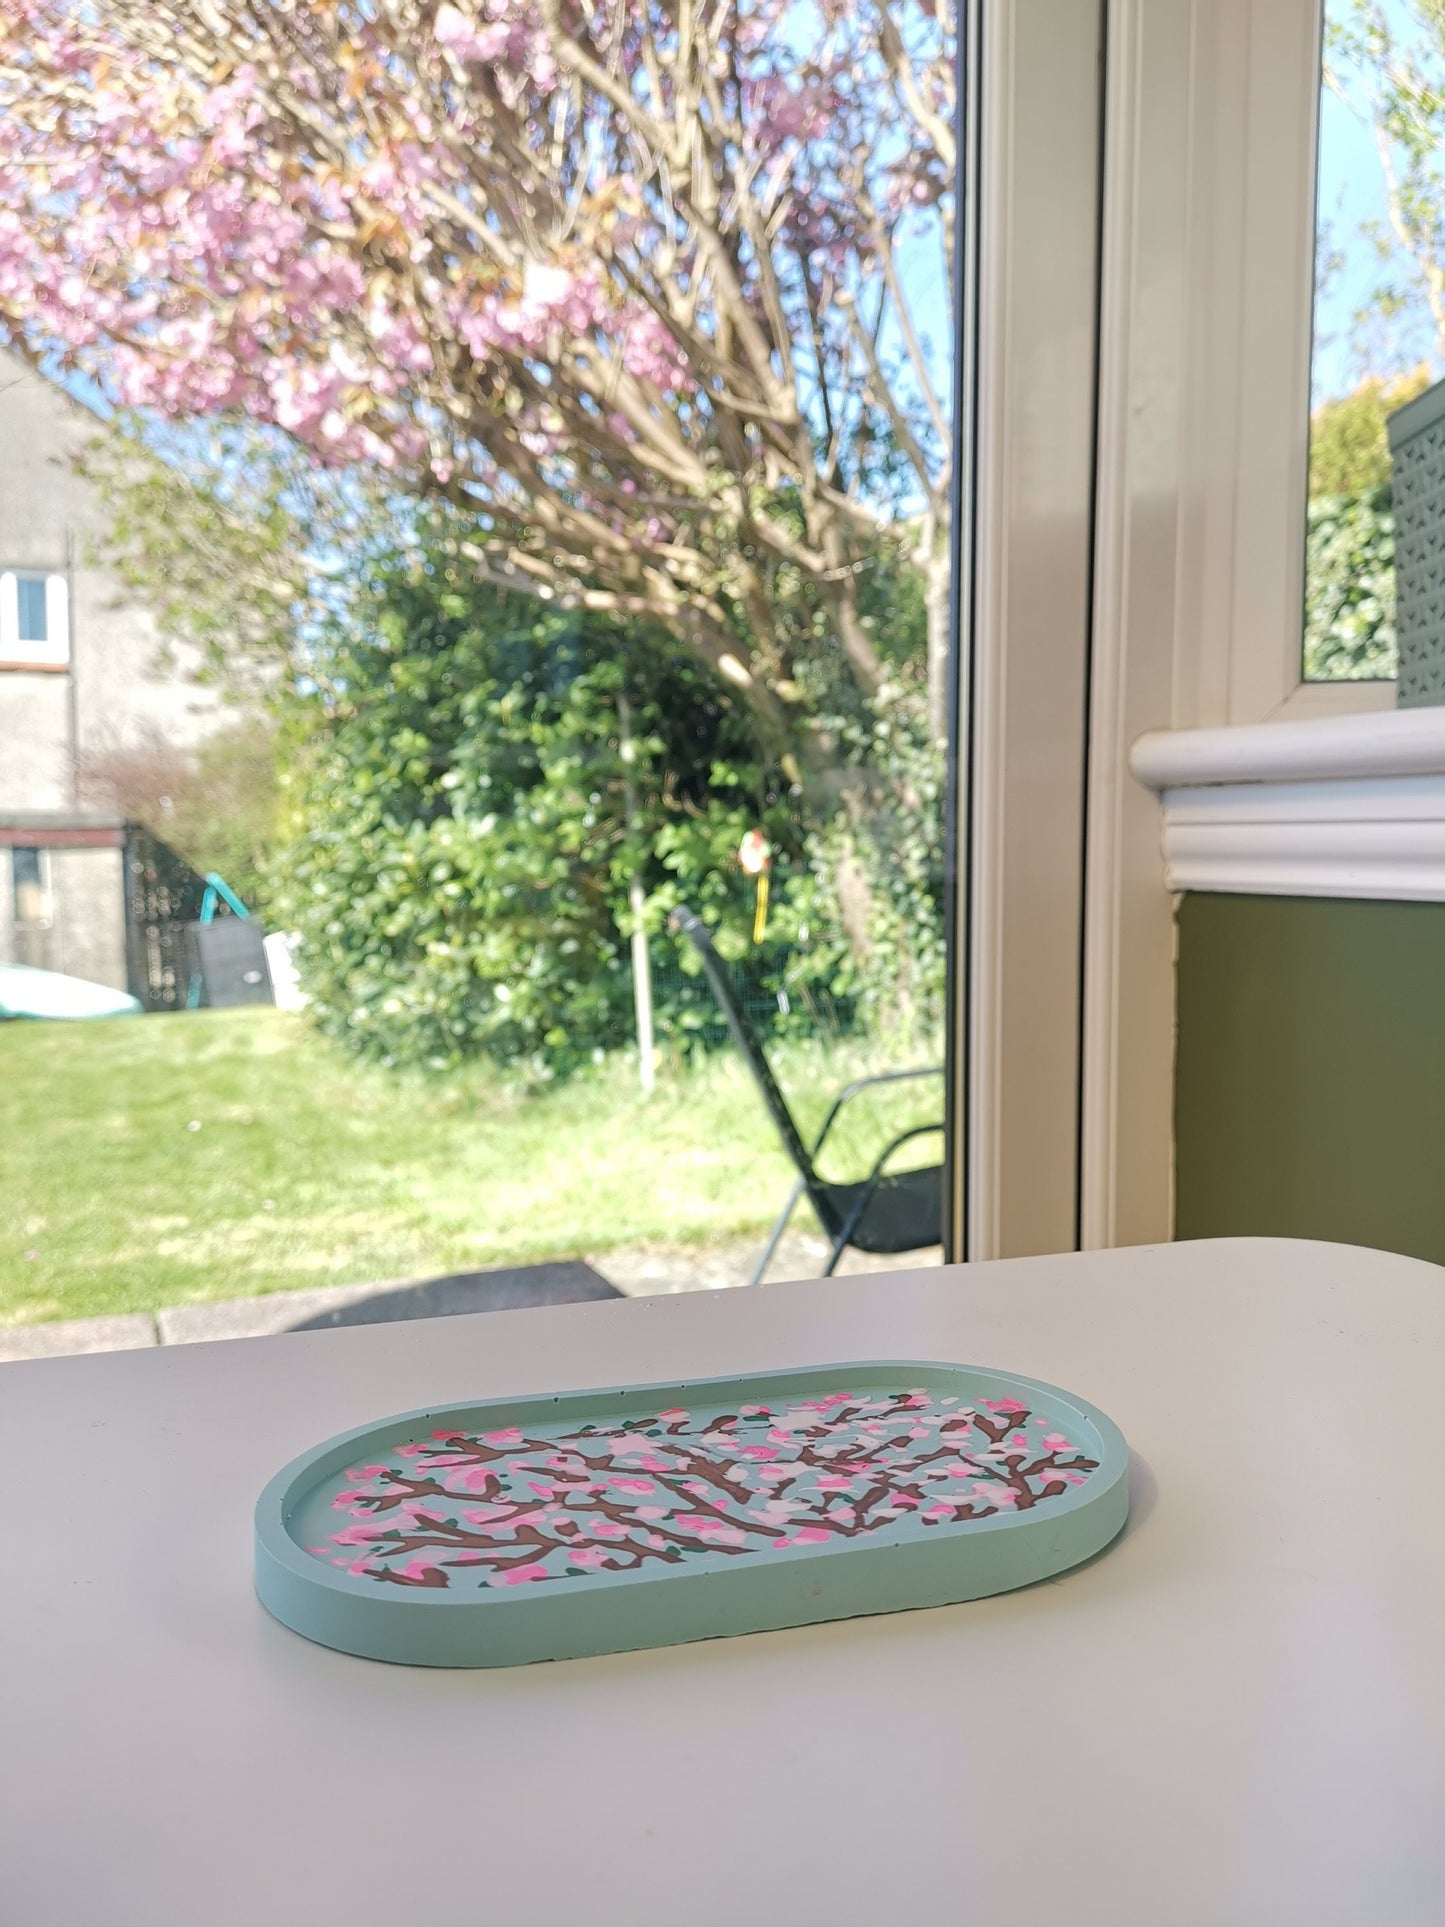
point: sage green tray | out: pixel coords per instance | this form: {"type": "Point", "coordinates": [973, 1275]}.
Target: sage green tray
{"type": "Point", "coordinates": [598, 1522]}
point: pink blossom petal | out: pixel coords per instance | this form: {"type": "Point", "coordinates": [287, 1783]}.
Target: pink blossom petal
{"type": "Point", "coordinates": [521, 1575]}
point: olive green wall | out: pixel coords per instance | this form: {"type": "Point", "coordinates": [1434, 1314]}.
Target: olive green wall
{"type": "Point", "coordinates": [1310, 1092]}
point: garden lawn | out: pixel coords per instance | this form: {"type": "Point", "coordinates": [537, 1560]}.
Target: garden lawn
{"type": "Point", "coordinates": [163, 1160]}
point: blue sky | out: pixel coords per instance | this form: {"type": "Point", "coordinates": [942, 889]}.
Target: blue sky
{"type": "Point", "coordinates": [1351, 197]}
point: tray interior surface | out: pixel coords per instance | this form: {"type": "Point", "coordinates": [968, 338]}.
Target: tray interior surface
{"type": "Point", "coordinates": [561, 1493]}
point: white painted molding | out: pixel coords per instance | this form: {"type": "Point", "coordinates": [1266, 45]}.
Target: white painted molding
{"type": "Point", "coordinates": [1349, 807]}
{"type": "Point", "coordinates": [1380, 837]}
{"type": "Point", "coordinates": [1394, 742]}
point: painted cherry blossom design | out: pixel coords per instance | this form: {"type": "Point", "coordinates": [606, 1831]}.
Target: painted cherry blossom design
{"type": "Point", "coordinates": [500, 1508]}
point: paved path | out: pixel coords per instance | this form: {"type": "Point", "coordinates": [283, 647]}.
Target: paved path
{"type": "Point", "coordinates": [645, 1271]}
{"type": "Point", "coordinates": [638, 1271]}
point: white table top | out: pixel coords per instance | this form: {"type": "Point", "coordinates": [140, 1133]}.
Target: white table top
{"type": "Point", "coordinates": [1235, 1715]}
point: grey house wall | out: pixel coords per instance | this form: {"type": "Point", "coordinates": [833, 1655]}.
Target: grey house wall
{"type": "Point", "coordinates": [116, 691]}
{"type": "Point", "coordinates": [86, 937]}
{"type": "Point", "coordinates": [90, 915]}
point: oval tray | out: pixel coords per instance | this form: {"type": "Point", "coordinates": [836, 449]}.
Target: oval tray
{"type": "Point", "coordinates": [596, 1522]}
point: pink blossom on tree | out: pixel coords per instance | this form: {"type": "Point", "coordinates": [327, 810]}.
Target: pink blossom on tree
{"type": "Point", "coordinates": [622, 283]}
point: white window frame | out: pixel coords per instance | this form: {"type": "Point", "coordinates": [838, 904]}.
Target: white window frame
{"type": "Point", "coordinates": [47, 890]}
{"type": "Point", "coordinates": [1029, 514]}
{"type": "Point", "coordinates": [1206, 337]}
{"type": "Point", "coordinates": [1257, 102]}
{"type": "Point", "coordinates": [53, 654]}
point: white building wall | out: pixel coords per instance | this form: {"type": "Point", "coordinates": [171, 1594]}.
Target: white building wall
{"type": "Point", "coordinates": [115, 690]}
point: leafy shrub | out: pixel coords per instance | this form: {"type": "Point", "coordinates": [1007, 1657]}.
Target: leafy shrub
{"type": "Point", "coordinates": [878, 861]}
{"type": "Point", "coordinates": [459, 868]}
{"type": "Point", "coordinates": [1349, 443]}
{"type": "Point", "coordinates": [1350, 549]}
{"type": "Point", "coordinates": [1350, 586]}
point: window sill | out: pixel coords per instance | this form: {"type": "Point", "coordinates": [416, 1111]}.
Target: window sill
{"type": "Point", "coordinates": [1309, 700]}
{"type": "Point", "coordinates": [1348, 806]}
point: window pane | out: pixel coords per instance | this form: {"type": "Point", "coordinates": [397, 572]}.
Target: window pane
{"type": "Point", "coordinates": [1379, 312]}
{"type": "Point", "coordinates": [30, 594]}
{"type": "Point", "coordinates": [29, 886]}
{"type": "Point", "coordinates": [580, 506]}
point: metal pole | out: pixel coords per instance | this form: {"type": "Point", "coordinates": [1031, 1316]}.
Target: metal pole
{"type": "Point", "coordinates": [641, 960]}
{"type": "Point", "coordinates": [72, 687]}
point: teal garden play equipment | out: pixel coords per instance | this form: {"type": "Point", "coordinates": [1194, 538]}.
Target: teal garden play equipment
{"type": "Point", "coordinates": [228, 957]}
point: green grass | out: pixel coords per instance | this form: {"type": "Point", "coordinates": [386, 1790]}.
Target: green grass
{"type": "Point", "coordinates": [165, 1160]}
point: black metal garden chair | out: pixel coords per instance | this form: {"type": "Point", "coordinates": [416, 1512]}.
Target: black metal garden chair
{"type": "Point", "coordinates": [883, 1213]}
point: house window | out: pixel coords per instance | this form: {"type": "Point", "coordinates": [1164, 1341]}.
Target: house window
{"type": "Point", "coordinates": [34, 620]}
{"type": "Point", "coordinates": [30, 886]}
{"type": "Point", "coordinates": [30, 610]}
{"type": "Point", "coordinates": [1379, 323]}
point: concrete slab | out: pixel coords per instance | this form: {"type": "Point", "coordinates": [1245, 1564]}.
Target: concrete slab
{"type": "Point", "coordinates": [636, 1271]}
{"type": "Point", "coordinates": [278, 1311]}
{"type": "Point", "coordinates": [641, 1271]}
{"type": "Point", "coordinates": [568, 1282]}
{"type": "Point", "coordinates": [129, 1333]}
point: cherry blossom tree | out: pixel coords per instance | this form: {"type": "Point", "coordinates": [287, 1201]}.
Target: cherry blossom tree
{"type": "Point", "coordinates": [627, 284]}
